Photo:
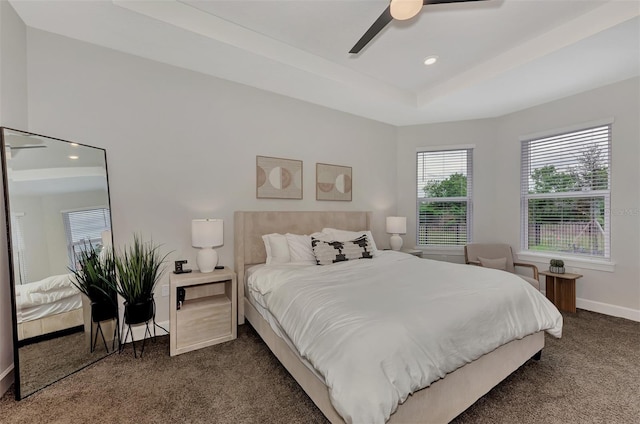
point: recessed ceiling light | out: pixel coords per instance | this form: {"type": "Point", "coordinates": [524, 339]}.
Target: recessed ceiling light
{"type": "Point", "coordinates": [73, 157]}
{"type": "Point", "coordinates": [430, 60]}
{"type": "Point", "coordinates": [74, 144]}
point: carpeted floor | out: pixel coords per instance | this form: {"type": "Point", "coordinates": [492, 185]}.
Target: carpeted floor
{"type": "Point", "coordinates": [591, 375]}
{"type": "Point", "coordinates": [47, 361]}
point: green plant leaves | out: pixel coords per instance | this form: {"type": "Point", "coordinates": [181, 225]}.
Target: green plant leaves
{"type": "Point", "coordinates": [139, 269]}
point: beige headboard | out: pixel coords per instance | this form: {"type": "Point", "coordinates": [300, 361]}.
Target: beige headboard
{"type": "Point", "coordinates": [249, 227]}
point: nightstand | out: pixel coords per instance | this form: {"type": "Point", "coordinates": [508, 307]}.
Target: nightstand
{"type": "Point", "coordinates": [414, 252]}
{"type": "Point", "coordinates": [561, 289]}
{"type": "Point", "coordinates": [203, 309]}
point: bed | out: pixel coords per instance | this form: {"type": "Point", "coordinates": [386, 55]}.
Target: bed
{"type": "Point", "coordinates": [47, 306]}
{"type": "Point", "coordinates": [441, 401]}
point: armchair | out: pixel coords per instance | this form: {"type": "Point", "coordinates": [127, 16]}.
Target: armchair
{"type": "Point", "coordinates": [498, 256]}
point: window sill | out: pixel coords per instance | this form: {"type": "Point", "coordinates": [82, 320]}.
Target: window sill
{"type": "Point", "coordinates": [569, 261]}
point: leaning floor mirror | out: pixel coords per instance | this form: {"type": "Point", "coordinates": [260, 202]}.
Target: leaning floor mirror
{"type": "Point", "coordinates": [58, 215]}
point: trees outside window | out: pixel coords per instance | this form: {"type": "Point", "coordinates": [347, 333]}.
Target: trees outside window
{"type": "Point", "coordinates": [444, 197]}
{"type": "Point", "coordinates": [566, 193]}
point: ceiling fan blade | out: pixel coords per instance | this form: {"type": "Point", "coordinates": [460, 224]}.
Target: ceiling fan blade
{"type": "Point", "coordinates": [426, 2]}
{"type": "Point", "coordinates": [377, 26]}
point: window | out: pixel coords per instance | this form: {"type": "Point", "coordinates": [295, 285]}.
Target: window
{"type": "Point", "coordinates": [84, 228]}
{"type": "Point", "coordinates": [444, 182]}
{"type": "Point", "coordinates": [566, 193]}
{"type": "Point", "coordinates": [19, 257]}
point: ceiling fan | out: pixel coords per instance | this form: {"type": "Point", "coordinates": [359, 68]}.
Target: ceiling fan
{"type": "Point", "coordinates": [400, 10]}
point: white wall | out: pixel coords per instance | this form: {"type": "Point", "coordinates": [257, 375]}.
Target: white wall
{"type": "Point", "coordinates": [480, 133]}
{"type": "Point", "coordinates": [497, 183]}
{"type": "Point", "coordinates": [34, 233]}
{"type": "Point", "coordinates": [13, 113]}
{"type": "Point", "coordinates": [182, 145]}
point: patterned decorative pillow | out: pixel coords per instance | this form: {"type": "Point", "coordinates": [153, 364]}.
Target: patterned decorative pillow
{"type": "Point", "coordinates": [329, 252]}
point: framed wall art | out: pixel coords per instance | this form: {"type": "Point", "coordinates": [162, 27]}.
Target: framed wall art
{"type": "Point", "coordinates": [278, 178]}
{"type": "Point", "coordinates": [333, 182]}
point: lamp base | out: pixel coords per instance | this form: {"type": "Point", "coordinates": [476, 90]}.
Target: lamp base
{"type": "Point", "coordinates": [396, 242]}
{"type": "Point", "coordinates": [207, 259]}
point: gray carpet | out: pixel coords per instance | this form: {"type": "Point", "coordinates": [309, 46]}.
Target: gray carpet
{"type": "Point", "coordinates": [591, 375]}
{"type": "Point", "coordinates": [44, 362]}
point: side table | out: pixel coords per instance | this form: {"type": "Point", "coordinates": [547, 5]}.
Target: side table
{"type": "Point", "coordinates": [414, 252]}
{"type": "Point", "coordinates": [561, 289]}
{"type": "Point", "coordinates": [203, 309]}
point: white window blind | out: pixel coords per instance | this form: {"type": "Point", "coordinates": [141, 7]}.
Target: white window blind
{"type": "Point", "coordinates": [566, 188]}
{"type": "Point", "coordinates": [84, 228]}
{"type": "Point", "coordinates": [444, 197]}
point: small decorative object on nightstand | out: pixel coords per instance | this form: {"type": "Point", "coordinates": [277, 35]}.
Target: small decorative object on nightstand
{"type": "Point", "coordinates": [561, 289]}
{"type": "Point", "coordinates": [203, 309]}
{"type": "Point", "coordinates": [396, 225]}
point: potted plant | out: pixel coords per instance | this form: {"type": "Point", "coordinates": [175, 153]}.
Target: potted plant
{"type": "Point", "coordinates": [557, 266]}
{"type": "Point", "coordinates": [95, 277]}
{"type": "Point", "coordinates": [139, 269]}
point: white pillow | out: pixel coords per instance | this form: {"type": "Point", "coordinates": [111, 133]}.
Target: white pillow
{"type": "Point", "coordinates": [344, 235]}
{"type": "Point", "coordinates": [277, 248]}
{"type": "Point", "coordinates": [498, 263]}
{"type": "Point", "coordinates": [300, 249]}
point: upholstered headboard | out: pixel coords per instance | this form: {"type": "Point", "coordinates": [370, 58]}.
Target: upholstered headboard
{"type": "Point", "coordinates": [249, 227]}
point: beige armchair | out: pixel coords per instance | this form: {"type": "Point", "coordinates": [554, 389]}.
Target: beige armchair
{"type": "Point", "coordinates": [498, 256]}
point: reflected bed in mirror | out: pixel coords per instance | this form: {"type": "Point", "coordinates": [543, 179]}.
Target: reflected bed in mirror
{"type": "Point", "coordinates": [57, 204]}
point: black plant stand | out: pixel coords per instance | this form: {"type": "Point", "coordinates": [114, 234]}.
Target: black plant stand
{"type": "Point", "coordinates": [101, 312]}
{"type": "Point", "coordinates": [133, 342]}
{"type": "Point", "coordinates": [132, 317]}
{"type": "Point", "coordinates": [116, 331]}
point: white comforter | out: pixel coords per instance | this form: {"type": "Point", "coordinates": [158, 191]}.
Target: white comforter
{"type": "Point", "coordinates": [380, 329]}
{"type": "Point", "coordinates": [48, 290]}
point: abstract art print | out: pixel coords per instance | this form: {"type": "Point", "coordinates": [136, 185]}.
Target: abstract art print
{"type": "Point", "coordinates": [333, 182]}
{"type": "Point", "coordinates": [278, 178]}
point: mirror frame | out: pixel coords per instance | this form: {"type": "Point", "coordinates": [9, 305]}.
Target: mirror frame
{"type": "Point", "coordinates": [7, 209]}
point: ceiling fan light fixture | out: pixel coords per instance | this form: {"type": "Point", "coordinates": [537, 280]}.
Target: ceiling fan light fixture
{"type": "Point", "coordinates": [404, 9]}
{"type": "Point", "coordinates": [430, 60]}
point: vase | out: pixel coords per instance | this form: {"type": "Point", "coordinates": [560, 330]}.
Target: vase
{"type": "Point", "coordinates": [137, 313]}
{"type": "Point", "coordinates": [102, 311]}
{"type": "Point", "coordinates": [557, 269]}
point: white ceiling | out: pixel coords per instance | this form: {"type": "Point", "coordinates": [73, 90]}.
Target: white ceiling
{"type": "Point", "coordinates": [496, 56]}
{"type": "Point", "coordinates": [38, 165]}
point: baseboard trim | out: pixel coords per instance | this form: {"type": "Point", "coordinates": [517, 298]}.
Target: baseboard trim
{"type": "Point", "coordinates": [6, 379]}
{"type": "Point", "coordinates": [608, 309]}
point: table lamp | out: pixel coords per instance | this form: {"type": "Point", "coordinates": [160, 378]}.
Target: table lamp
{"type": "Point", "coordinates": [207, 234]}
{"type": "Point", "coordinates": [396, 225]}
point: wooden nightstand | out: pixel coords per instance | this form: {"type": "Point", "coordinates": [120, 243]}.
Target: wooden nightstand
{"type": "Point", "coordinates": [207, 315]}
{"type": "Point", "coordinates": [414, 252]}
{"type": "Point", "coordinates": [561, 289]}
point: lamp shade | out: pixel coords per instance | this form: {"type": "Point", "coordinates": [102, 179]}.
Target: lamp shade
{"type": "Point", "coordinates": [207, 232]}
{"type": "Point", "coordinates": [396, 224]}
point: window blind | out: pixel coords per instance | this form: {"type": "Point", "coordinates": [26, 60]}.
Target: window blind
{"type": "Point", "coordinates": [444, 193]}
{"type": "Point", "coordinates": [565, 191]}
{"type": "Point", "coordinates": [84, 228]}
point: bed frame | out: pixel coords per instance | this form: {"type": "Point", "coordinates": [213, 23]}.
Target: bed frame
{"type": "Point", "coordinates": [50, 324]}
{"type": "Point", "coordinates": [438, 403]}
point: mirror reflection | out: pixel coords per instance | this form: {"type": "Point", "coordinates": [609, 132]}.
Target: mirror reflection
{"type": "Point", "coordinates": [57, 207]}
